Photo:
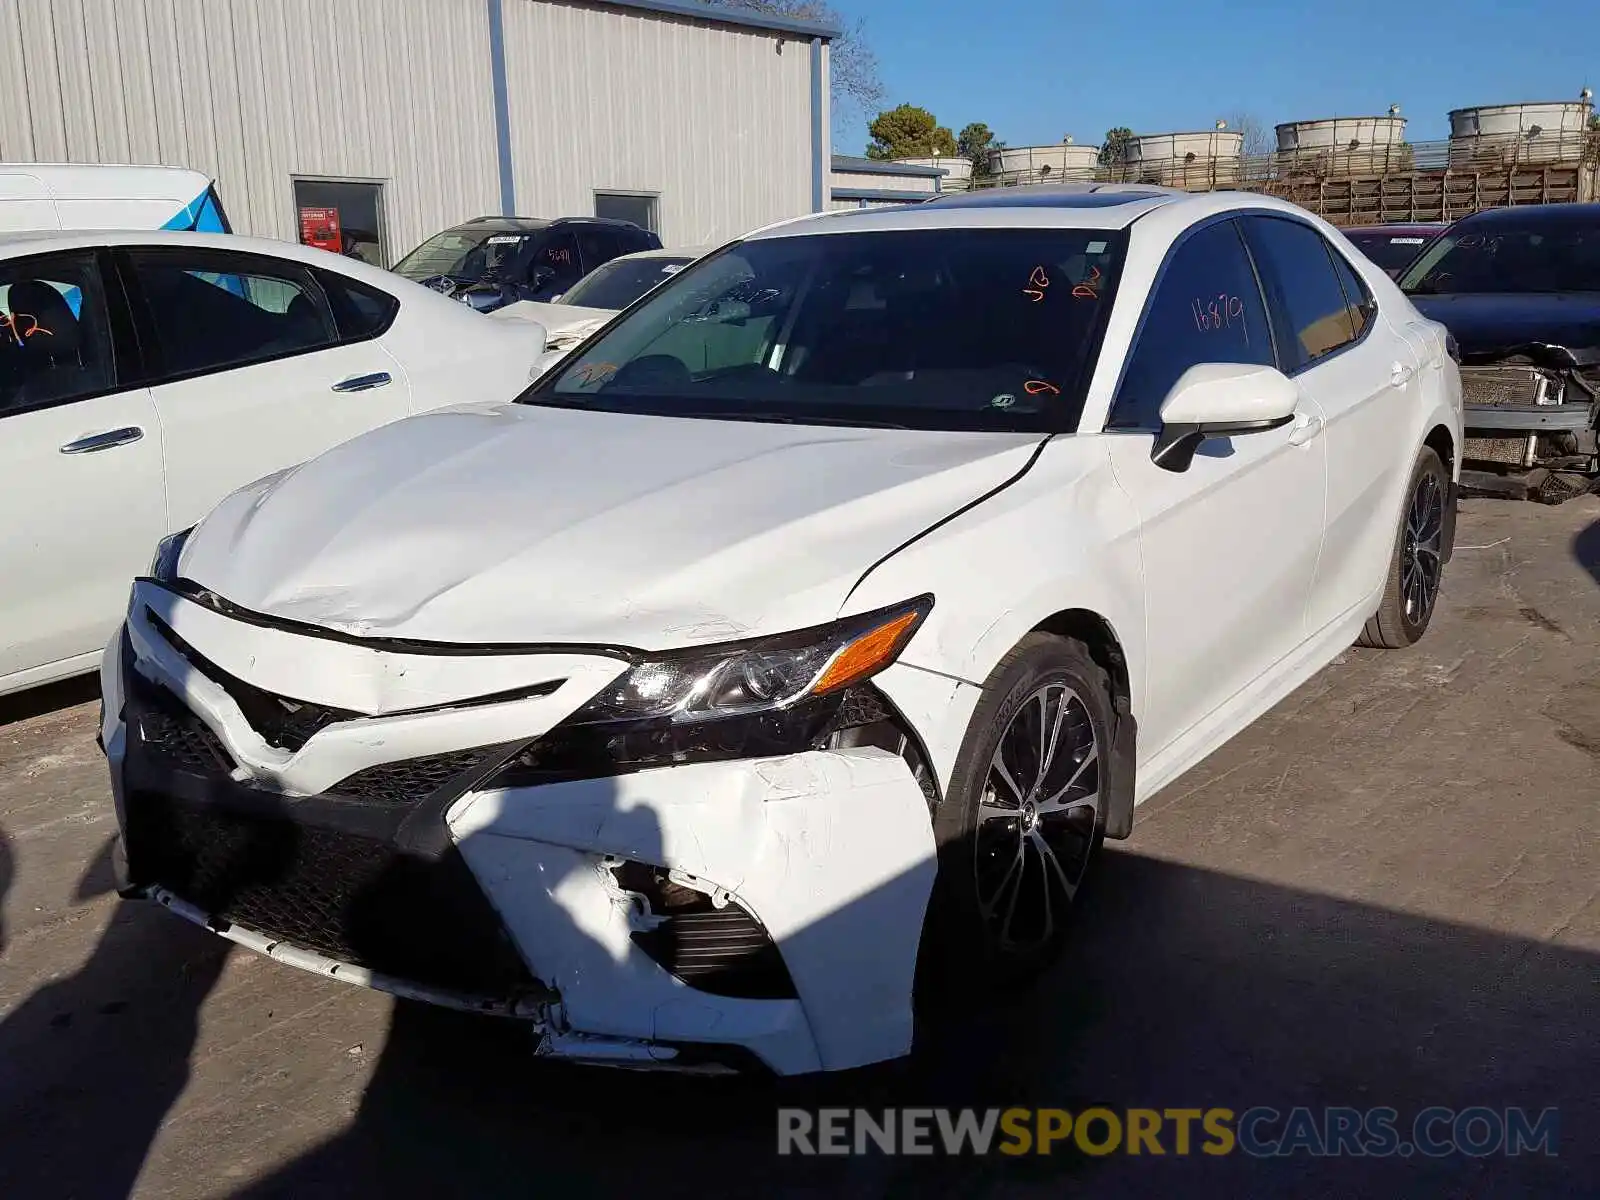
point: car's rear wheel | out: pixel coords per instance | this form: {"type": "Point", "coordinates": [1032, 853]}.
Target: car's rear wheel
{"type": "Point", "coordinates": [1417, 567]}
{"type": "Point", "coordinates": [1021, 819]}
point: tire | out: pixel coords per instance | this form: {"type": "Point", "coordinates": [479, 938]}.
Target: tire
{"type": "Point", "coordinates": [1410, 596]}
{"type": "Point", "coordinates": [968, 945]}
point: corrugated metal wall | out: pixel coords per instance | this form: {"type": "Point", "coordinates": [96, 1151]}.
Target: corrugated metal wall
{"type": "Point", "coordinates": [715, 119]}
{"type": "Point", "coordinates": [254, 91]}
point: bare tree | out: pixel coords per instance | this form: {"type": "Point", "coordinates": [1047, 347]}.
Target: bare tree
{"type": "Point", "coordinates": [857, 89]}
{"type": "Point", "coordinates": [1259, 137]}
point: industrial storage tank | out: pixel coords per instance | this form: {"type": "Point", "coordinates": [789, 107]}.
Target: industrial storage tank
{"type": "Point", "coordinates": [1535, 132]}
{"type": "Point", "coordinates": [1344, 146]}
{"type": "Point", "coordinates": [1012, 165]}
{"type": "Point", "coordinates": [1185, 160]}
{"type": "Point", "coordinates": [957, 171]}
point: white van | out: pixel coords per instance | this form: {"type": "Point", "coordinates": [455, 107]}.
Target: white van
{"type": "Point", "coordinates": [82, 196]}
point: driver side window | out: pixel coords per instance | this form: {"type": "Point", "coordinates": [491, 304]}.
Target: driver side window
{"type": "Point", "coordinates": [1206, 308]}
{"type": "Point", "coordinates": [560, 254]}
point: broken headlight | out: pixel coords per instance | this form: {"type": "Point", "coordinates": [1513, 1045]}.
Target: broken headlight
{"type": "Point", "coordinates": [769, 674]}
{"type": "Point", "coordinates": [754, 699]}
{"type": "Point", "coordinates": [164, 564]}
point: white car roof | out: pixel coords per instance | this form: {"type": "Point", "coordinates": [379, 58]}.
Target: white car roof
{"type": "Point", "coordinates": [14, 245]}
{"type": "Point", "coordinates": [1060, 206]}
{"type": "Point", "coordinates": [112, 181]}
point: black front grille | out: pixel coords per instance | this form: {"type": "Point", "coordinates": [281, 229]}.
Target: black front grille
{"type": "Point", "coordinates": [353, 898]}
{"type": "Point", "coordinates": [411, 779]}
{"type": "Point", "coordinates": [282, 721]}
{"type": "Point", "coordinates": [174, 735]}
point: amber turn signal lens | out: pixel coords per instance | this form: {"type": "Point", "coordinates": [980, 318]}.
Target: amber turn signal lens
{"type": "Point", "coordinates": [872, 650]}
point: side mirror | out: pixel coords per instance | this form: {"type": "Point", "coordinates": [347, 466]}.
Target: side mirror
{"type": "Point", "coordinates": [1220, 400]}
{"type": "Point", "coordinates": [541, 276]}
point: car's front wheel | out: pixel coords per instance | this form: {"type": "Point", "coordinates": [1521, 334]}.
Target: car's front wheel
{"type": "Point", "coordinates": [1021, 819]}
{"type": "Point", "coordinates": [1416, 568]}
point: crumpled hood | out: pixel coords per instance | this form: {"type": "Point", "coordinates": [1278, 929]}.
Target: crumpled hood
{"type": "Point", "coordinates": [558, 320]}
{"type": "Point", "coordinates": [1490, 323]}
{"type": "Point", "coordinates": [521, 524]}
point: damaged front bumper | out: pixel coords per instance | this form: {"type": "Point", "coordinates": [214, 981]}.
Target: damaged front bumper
{"type": "Point", "coordinates": [1531, 412]}
{"type": "Point", "coordinates": [697, 917]}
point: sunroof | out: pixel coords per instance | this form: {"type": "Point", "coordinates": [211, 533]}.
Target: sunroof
{"type": "Point", "coordinates": [1039, 197]}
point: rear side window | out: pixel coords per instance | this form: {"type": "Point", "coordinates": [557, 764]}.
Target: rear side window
{"type": "Point", "coordinates": [1206, 308]}
{"type": "Point", "coordinates": [55, 342]}
{"type": "Point", "coordinates": [213, 311]}
{"type": "Point", "coordinates": [597, 246]}
{"type": "Point", "coordinates": [1311, 317]}
{"type": "Point", "coordinates": [360, 311]}
{"type": "Point", "coordinates": [1356, 296]}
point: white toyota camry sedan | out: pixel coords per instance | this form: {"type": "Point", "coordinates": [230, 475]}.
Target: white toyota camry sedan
{"type": "Point", "coordinates": [782, 657]}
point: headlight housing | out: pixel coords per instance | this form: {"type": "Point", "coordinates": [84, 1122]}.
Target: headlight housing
{"type": "Point", "coordinates": [737, 679]}
{"type": "Point", "coordinates": [164, 566]}
{"type": "Point", "coordinates": [752, 699]}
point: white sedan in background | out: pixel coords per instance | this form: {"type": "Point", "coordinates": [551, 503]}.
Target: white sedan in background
{"type": "Point", "coordinates": [144, 376]}
{"type": "Point", "coordinates": [785, 653]}
{"type": "Point", "coordinates": [596, 298]}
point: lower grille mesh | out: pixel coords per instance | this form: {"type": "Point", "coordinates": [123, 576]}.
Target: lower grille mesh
{"type": "Point", "coordinates": [351, 898]}
{"type": "Point", "coordinates": [175, 735]}
{"type": "Point", "coordinates": [409, 780]}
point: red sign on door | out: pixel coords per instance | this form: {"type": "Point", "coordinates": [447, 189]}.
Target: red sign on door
{"type": "Point", "coordinates": [319, 227]}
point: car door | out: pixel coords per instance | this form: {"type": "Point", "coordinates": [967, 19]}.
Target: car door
{"type": "Point", "coordinates": [1363, 376]}
{"type": "Point", "coordinates": [251, 371]}
{"type": "Point", "coordinates": [1229, 545]}
{"type": "Point", "coordinates": [80, 465]}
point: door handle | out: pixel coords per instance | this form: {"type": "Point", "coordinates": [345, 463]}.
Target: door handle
{"type": "Point", "coordinates": [363, 383]}
{"type": "Point", "coordinates": [1305, 429]}
{"type": "Point", "coordinates": [1400, 374]}
{"type": "Point", "coordinates": [91, 442]}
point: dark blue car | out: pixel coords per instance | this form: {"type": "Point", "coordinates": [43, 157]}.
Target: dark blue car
{"type": "Point", "coordinates": [1519, 290]}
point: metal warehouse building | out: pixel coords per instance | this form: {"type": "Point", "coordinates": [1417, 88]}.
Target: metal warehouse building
{"type": "Point", "coordinates": [409, 116]}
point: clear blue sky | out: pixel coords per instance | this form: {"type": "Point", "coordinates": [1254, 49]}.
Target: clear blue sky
{"type": "Point", "coordinates": [1034, 70]}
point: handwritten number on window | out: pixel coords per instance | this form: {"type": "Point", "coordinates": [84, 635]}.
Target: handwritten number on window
{"type": "Point", "coordinates": [1221, 311]}
{"type": "Point", "coordinates": [1038, 280]}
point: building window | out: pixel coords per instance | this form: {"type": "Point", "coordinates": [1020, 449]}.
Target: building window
{"type": "Point", "coordinates": [343, 216]}
{"type": "Point", "coordinates": [638, 207]}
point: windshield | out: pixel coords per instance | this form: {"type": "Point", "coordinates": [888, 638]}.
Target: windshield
{"type": "Point", "coordinates": [1390, 251]}
{"type": "Point", "coordinates": [1496, 256]}
{"type": "Point", "coordinates": [622, 281]}
{"type": "Point", "coordinates": [933, 329]}
{"type": "Point", "coordinates": [463, 254]}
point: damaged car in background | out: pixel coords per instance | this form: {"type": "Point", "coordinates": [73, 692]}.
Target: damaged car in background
{"type": "Point", "coordinates": [570, 318]}
{"type": "Point", "coordinates": [782, 657]}
{"type": "Point", "coordinates": [1519, 290]}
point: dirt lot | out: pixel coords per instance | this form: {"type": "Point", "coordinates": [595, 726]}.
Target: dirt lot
{"type": "Point", "coordinates": [1385, 893]}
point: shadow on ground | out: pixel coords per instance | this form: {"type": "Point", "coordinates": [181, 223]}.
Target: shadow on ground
{"type": "Point", "coordinates": [52, 697]}
{"type": "Point", "coordinates": [1586, 549]}
{"type": "Point", "coordinates": [91, 1063]}
{"type": "Point", "coordinates": [1183, 988]}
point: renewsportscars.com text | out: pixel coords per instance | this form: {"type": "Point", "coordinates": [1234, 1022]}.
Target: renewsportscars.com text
{"type": "Point", "coordinates": [1260, 1131]}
